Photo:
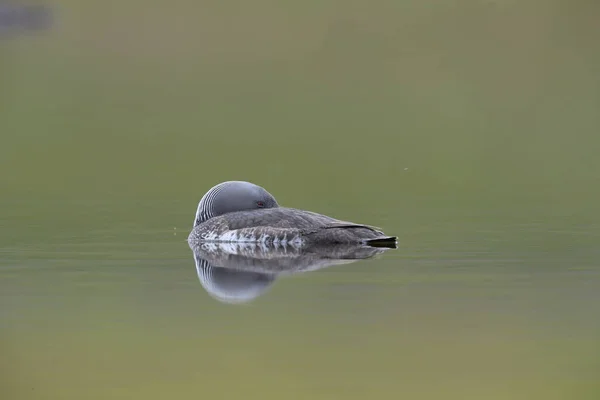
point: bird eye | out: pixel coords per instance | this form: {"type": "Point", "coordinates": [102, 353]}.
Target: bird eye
{"type": "Point", "coordinates": [260, 204]}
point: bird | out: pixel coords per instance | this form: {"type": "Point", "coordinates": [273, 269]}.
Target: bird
{"type": "Point", "coordinates": [240, 211]}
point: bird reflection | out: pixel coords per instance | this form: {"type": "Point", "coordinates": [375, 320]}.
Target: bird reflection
{"type": "Point", "coordinates": [237, 273]}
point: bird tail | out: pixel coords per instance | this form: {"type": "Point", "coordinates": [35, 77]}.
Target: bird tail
{"type": "Point", "coordinates": [384, 241]}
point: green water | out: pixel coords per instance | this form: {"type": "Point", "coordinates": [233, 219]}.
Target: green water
{"type": "Point", "coordinates": [470, 131]}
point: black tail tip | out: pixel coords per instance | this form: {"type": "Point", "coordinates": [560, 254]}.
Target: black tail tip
{"type": "Point", "coordinates": [390, 242]}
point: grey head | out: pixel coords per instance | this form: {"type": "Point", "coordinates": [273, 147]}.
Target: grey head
{"type": "Point", "coordinates": [233, 196]}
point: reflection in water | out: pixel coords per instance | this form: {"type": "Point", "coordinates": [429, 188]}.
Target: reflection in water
{"type": "Point", "coordinates": [240, 272]}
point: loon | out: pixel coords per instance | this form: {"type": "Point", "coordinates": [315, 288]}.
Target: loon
{"type": "Point", "coordinates": [239, 211]}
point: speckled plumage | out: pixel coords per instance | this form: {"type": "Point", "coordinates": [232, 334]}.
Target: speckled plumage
{"type": "Point", "coordinates": [283, 226]}
{"type": "Point", "coordinates": [242, 212]}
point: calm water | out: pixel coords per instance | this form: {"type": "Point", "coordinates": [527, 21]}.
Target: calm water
{"type": "Point", "coordinates": [469, 131]}
{"type": "Point", "coordinates": [467, 306]}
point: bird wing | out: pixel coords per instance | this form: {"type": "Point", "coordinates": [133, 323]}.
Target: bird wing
{"type": "Point", "coordinates": [287, 218]}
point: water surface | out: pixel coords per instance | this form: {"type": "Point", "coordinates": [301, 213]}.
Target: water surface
{"type": "Point", "coordinates": [480, 308]}
{"type": "Point", "coordinates": [470, 131]}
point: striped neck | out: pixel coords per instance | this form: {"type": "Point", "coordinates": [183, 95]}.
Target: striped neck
{"type": "Point", "coordinates": [232, 196]}
{"type": "Point", "coordinates": [201, 216]}
{"type": "Point", "coordinates": [206, 206]}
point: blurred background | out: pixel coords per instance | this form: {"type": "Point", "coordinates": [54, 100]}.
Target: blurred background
{"type": "Point", "coordinates": [469, 129]}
